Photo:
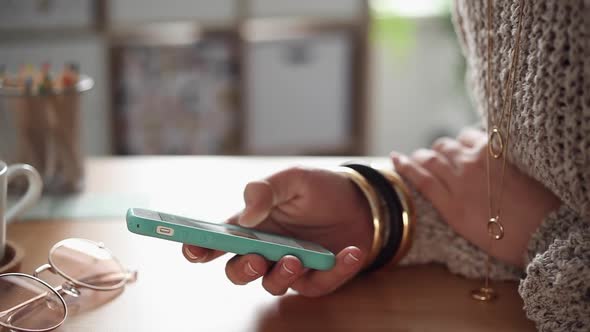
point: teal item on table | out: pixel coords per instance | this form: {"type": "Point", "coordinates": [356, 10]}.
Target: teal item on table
{"type": "Point", "coordinates": [226, 237]}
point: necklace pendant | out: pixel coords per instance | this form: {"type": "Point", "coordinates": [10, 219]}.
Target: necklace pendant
{"type": "Point", "coordinates": [495, 228]}
{"type": "Point", "coordinates": [483, 294]}
{"type": "Point", "coordinates": [496, 143]}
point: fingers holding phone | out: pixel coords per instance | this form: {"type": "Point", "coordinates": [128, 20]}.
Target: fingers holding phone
{"type": "Point", "coordinates": [312, 204]}
{"type": "Point", "coordinates": [196, 254]}
{"type": "Point", "coordinates": [289, 272]}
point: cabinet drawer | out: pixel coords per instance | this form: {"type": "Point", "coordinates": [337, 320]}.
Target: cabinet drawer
{"type": "Point", "coordinates": [298, 94]}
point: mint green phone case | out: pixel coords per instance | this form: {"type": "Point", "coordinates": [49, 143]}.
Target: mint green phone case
{"type": "Point", "coordinates": [220, 237]}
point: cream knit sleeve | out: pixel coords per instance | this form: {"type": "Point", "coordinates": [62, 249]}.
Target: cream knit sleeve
{"type": "Point", "coordinates": [556, 286]}
{"type": "Point", "coordinates": [551, 143]}
{"type": "Point", "coordinates": [435, 242]}
{"type": "Point", "coordinates": [556, 290]}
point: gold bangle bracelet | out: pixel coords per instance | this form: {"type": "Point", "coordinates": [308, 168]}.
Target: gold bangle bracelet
{"type": "Point", "coordinates": [375, 206]}
{"type": "Point", "coordinates": [409, 214]}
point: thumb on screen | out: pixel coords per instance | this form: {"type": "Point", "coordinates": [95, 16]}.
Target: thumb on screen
{"type": "Point", "coordinates": [260, 200]}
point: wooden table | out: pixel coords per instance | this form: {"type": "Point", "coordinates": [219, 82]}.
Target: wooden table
{"type": "Point", "coordinates": [172, 294]}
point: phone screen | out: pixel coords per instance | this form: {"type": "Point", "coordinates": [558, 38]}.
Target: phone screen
{"type": "Point", "coordinates": [207, 226]}
{"type": "Point", "coordinates": [238, 231]}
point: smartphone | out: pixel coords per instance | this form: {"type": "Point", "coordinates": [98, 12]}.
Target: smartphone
{"type": "Point", "coordinates": [229, 238]}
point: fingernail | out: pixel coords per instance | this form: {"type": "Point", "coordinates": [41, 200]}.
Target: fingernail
{"type": "Point", "coordinates": [250, 270]}
{"type": "Point", "coordinates": [242, 222]}
{"type": "Point", "coordinates": [286, 271]}
{"type": "Point", "coordinates": [401, 160]}
{"type": "Point", "coordinates": [351, 259]}
{"type": "Point", "coordinates": [247, 219]}
{"type": "Point", "coordinates": [190, 255]}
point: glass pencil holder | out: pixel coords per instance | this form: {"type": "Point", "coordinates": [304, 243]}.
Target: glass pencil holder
{"type": "Point", "coordinates": [48, 133]}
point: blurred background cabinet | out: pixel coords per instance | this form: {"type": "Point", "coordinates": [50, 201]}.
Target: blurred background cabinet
{"type": "Point", "coordinates": [293, 66]}
{"type": "Point", "coordinates": [35, 16]}
{"type": "Point", "coordinates": [297, 94]}
{"type": "Point", "coordinates": [126, 13]}
{"type": "Point", "coordinates": [307, 77]}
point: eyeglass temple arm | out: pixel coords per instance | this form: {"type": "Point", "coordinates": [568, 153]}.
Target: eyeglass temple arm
{"type": "Point", "coordinates": [130, 277]}
{"type": "Point", "coordinates": [41, 269]}
{"type": "Point", "coordinates": [12, 312]}
{"type": "Point", "coordinates": [28, 302]}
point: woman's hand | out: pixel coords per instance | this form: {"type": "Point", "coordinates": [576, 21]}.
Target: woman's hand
{"type": "Point", "coordinates": [452, 175]}
{"type": "Point", "coordinates": [310, 204]}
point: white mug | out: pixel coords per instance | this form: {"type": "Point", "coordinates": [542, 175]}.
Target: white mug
{"type": "Point", "coordinates": [35, 186]}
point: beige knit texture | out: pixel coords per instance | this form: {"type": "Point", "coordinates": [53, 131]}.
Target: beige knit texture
{"type": "Point", "coordinates": [550, 141]}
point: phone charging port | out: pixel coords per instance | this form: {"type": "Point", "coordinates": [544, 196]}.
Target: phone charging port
{"type": "Point", "coordinates": [165, 230]}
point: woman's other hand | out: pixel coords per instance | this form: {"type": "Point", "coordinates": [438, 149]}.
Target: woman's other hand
{"type": "Point", "coordinates": [452, 175]}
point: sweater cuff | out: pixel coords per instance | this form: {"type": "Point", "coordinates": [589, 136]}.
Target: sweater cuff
{"type": "Point", "coordinates": [557, 225]}
{"type": "Point", "coordinates": [556, 290]}
{"type": "Point", "coordinates": [435, 241]}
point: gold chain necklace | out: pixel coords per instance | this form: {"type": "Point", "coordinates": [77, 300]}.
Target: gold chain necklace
{"type": "Point", "coordinates": [497, 148]}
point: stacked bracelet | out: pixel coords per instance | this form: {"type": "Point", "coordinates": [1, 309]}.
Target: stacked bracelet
{"type": "Point", "coordinates": [392, 240]}
{"type": "Point", "coordinates": [392, 212]}
{"type": "Point", "coordinates": [375, 206]}
{"type": "Point", "coordinates": [408, 214]}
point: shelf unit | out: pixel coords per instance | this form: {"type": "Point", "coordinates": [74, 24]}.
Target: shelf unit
{"type": "Point", "coordinates": [305, 30]}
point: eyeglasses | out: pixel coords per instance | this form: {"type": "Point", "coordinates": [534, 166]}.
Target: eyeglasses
{"type": "Point", "coordinates": [29, 304]}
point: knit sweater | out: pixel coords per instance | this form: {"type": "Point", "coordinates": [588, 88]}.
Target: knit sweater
{"type": "Point", "coordinates": [550, 142]}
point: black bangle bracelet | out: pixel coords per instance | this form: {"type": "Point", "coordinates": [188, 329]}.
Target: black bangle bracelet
{"type": "Point", "coordinates": [383, 187]}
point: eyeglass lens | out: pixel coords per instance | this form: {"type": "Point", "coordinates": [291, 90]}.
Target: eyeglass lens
{"type": "Point", "coordinates": [87, 263]}
{"type": "Point", "coordinates": [29, 304]}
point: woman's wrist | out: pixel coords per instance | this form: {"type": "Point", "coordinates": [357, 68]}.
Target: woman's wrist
{"type": "Point", "coordinates": [377, 212]}
{"type": "Point", "coordinates": [392, 213]}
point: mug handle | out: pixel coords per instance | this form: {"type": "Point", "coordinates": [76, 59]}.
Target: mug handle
{"type": "Point", "coordinates": [33, 191]}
